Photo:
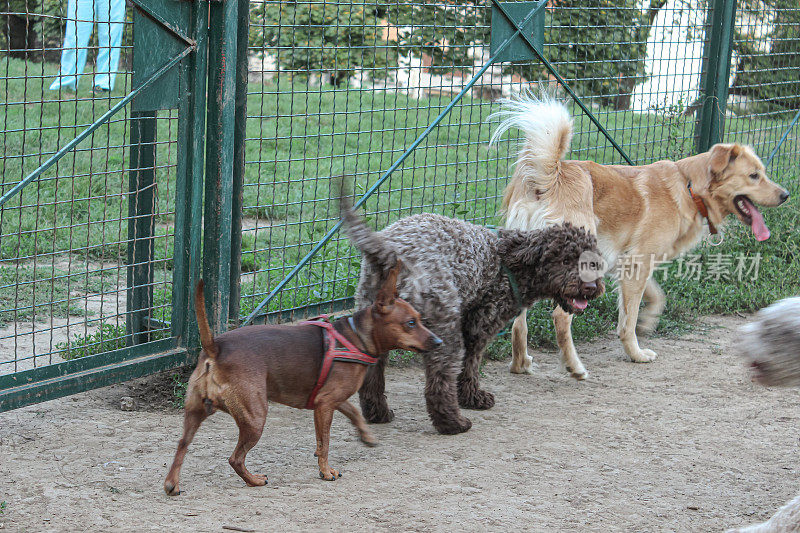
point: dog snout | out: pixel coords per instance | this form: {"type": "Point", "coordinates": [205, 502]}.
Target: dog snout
{"type": "Point", "coordinates": [592, 289]}
{"type": "Point", "coordinates": [784, 196]}
{"type": "Point", "coordinates": [588, 287]}
{"type": "Point", "coordinates": [434, 341]}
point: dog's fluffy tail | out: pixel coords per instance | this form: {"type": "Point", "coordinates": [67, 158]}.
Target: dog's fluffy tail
{"type": "Point", "coordinates": [548, 133]}
{"type": "Point", "coordinates": [206, 337]}
{"type": "Point", "coordinates": [371, 245]}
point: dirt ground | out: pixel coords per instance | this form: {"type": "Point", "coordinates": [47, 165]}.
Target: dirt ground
{"type": "Point", "coordinates": [685, 443]}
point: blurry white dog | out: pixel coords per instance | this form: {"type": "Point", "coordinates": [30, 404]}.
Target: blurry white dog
{"type": "Point", "coordinates": [771, 344]}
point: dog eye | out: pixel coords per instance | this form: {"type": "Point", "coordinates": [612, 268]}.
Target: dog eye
{"type": "Point", "coordinates": [754, 176]}
{"type": "Point", "coordinates": [411, 324]}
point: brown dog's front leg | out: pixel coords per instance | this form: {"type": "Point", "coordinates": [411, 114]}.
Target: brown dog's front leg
{"type": "Point", "coordinates": [192, 418]}
{"type": "Point", "coordinates": [372, 395]}
{"type": "Point", "coordinates": [323, 416]}
{"type": "Point", "coordinates": [350, 411]}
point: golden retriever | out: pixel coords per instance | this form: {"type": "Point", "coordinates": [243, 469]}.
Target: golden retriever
{"type": "Point", "coordinates": [642, 215]}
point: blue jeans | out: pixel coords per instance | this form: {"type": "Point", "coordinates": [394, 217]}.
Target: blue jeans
{"type": "Point", "coordinates": [81, 17]}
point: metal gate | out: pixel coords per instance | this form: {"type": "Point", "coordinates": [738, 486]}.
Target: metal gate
{"type": "Point", "coordinates": [96, 289]}
{"type": "Point", "coordinates": [238, 114]}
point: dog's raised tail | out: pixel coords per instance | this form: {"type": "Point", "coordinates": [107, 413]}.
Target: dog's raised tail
{"type": "Point", "coordinates": [363, 238]}
{"type": "Point", "coordinates": [206, 337]}
{"type": "Point", "coordinates": [548, 133]}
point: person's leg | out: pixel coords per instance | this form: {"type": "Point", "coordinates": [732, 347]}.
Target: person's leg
{"type": "Point", "coordinates": [76, 39]}
{"type": "Point", "coordinates": [110, 17]}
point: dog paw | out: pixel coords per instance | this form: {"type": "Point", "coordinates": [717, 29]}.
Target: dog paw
{"type": "Point", "coordinates": [382, 416]}
{"type": "Point", "coordinates": [369, 440]}
{"type": "Point", "coordinates": [644, 356]}
{"type": "Point", "coordinates": [171, 488]}
{"type": "Point", "coordinates": [259, 480]}
{"type": "Point", "coordinates": [527, 366]}
{"type": "Point", "coordinates": [331, 475]}
{"type": "Point", "coordinates": [453, 427]}
{"type": "Point", "coordinates": [580, 374]}
{"type": "Point", "coordinates": [646, 325]}
{"type": "Point", "coordinates": [480, 399]}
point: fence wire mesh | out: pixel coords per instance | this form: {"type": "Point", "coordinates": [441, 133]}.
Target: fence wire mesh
{"type": "Point", "coordinates": [64, 237]}
{"type": "Point", "coordinates": [338, 87]}
{"type": "Point", "coordinates": [344, 87]}
{"type": "Point", "coordinates": [765, 87]}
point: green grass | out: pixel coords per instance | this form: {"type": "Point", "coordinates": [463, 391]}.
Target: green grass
{"type": "Point", "coordinates": [107, 338]}
{"type": "Point", "coordinates": [295, 140]}
{"type": "Point", "coordinates": [178, 390]}
{"type": "Point", "coordinates": [27, 292]}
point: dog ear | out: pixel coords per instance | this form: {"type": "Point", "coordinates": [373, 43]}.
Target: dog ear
{"type": "Point", "coordinates": [388, 293]}
{"type": "Point", "coordinates": [520, 249]}
{"type": "Point", "coordinates": [721, 156]}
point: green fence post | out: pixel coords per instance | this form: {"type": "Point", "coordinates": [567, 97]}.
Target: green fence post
{"type": "Point", "coordinates": [141, 224]}
{"type": "Point", "coordinates": [240, 127]}
{"type": "Point", "coordinates": [189, 183]}
{"type": "Point", "coordinates": [716, 73]}
{"type": "Point", "coordinates": [220, 128]}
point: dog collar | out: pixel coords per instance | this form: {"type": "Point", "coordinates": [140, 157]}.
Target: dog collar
{"type": "Point", "coordinates": [512, 280]}
{"type": "Point", "coordinates": [702, 208]}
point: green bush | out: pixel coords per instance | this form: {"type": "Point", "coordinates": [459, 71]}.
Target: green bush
{"type": "Point", "coordinates": [442, 30]}
{"type": "Point", "coordinates": [773, 76]}
{"type": "Point", "coordinates": [330, 36]}
{"type": "Point", "coordinates": [599, 44]}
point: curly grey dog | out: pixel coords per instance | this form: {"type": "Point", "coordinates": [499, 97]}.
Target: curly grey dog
{"type": "Point", "coordinates": [771, 345]}
{"type": "Point", "coordinates": [467, 282]}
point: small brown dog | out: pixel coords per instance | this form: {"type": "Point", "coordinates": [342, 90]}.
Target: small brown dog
{"type": "Point", "coordinates": [240, 371]}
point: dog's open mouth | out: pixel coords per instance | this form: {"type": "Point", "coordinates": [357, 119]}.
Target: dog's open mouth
{"type": "Point", "coordinates": [751, 216]}
{"type": "Point", "coordinates": [578, 303]}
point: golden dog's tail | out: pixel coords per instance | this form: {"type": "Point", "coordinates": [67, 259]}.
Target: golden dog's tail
{"type": "Point", "coordinates": [547, 126]}
{"type": "Point", "coordinates": [206, 337]}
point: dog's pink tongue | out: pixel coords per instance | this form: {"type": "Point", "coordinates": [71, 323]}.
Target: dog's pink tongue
{"type": "Point", "coordinates": [760, 230]}
{"type": "Point", "coordinates": [580, 303]}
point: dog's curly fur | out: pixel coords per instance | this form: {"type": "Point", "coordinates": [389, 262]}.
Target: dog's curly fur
{"type": "Point", "coordinates": [771, 344]}
{"type": "Point", "coordinates": [454, 278]}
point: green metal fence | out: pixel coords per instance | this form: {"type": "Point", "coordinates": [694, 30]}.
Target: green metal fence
{"type": "Point", "coordinates": [214, 153]}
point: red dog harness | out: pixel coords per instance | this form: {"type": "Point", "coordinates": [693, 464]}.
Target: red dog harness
{"type": "Point", "coordinates": [347, 352]}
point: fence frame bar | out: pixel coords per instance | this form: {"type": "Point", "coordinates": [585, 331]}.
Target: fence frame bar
{"type": "Point", "coordinates": [783, 138]}
{"type": "Point", "coordinates": [239, 136]}
{"type": "Point", "coordinates": [717, 53]}
{"type": "Point", "coordinates": [187, 258]}
{"type": "Point", "coordinates": [220, 148]}
{"type": "Point", "coordinates": [141, 224]}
